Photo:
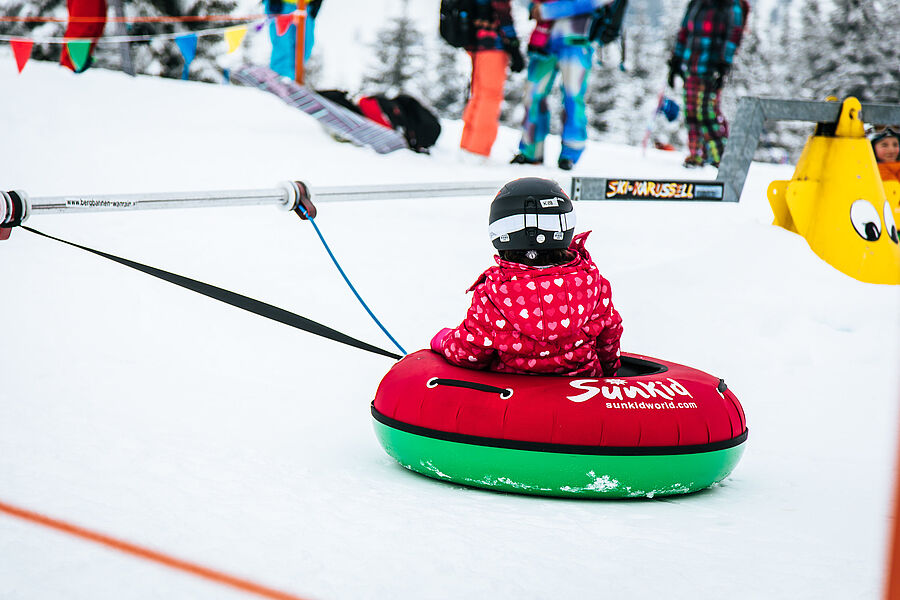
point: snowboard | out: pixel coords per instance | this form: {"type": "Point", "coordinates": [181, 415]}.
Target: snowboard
{"type": "Point", "coordinates": [340, 122]}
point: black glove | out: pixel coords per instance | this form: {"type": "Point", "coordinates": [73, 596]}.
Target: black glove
{"type": "Point", "coordinates": [718, 75]}
{"type": "Point", "coordinates": [516, 60]}
{"type": "Point", "coordinates": [674, 71]}
{"type": "Point", "coordinates": [312, 8]}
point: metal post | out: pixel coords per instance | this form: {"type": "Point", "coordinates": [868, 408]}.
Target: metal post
{"type": "Point", "coordinates": [742, 142]}
{"type": "Point", "coordinates": [124, 49]}
{"type": "Point", "coordinates": [285, 196]}
{"type": "Point", "coordinates": [300, 21]}
{"type": "Point", "coordinates": [750, 120]}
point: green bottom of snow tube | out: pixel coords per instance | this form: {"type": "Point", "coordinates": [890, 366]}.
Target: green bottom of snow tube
{"type": "Point", "coordinates": [558, 473]}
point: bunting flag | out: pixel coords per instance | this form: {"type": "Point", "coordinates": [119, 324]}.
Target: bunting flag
{"type": "Point", "coordinates": [282, 22]}
{"type": "Point", "coordinates": [79, 50]}
{"type": "Point", "coordinates": [188, 46]}
{"type": "Point", "coordinates": [234, 36]}
{"type": "Point", "coordinates": [22, 51]}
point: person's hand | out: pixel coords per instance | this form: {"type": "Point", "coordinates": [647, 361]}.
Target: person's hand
{"type": "Point", "coordinates": [535, 11]}
{"type": "Point", "coordinates": [438, 339]}
{"type": "Point", "coordinates": [516, 60]}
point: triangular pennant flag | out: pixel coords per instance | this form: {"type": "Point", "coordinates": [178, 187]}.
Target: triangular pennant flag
{"type": "Point", "coordinates": [188, 45]}
{"type": "Point", "coordinates": [78, 52]}
{"type": "Point", "coordinates": [282, 22]}
{"type": "Point", "coordinates": [234, 36]}
{"type": "Point", "coordinates": [22, 51]}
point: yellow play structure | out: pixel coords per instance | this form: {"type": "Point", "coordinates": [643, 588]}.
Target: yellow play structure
{"type": "Point", "coordinates": [838, 203]}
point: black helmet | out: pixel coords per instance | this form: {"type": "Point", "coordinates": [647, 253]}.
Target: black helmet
{"type": "Point", "coordinates": [531, 213]}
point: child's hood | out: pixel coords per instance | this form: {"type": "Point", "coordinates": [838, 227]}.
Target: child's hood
{"type": "Point", "coordinates": [546, 303]}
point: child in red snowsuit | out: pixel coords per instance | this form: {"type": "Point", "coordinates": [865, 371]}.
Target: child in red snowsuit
{"type": "Point", "coordinates": [544, 308]}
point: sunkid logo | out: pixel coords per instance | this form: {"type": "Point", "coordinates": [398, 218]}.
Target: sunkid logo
{"type": "Point", "coordinates": [619, 389]}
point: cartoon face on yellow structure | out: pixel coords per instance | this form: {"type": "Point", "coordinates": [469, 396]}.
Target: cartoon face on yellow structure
{"type": "Point", "coordinates": [836, 201]}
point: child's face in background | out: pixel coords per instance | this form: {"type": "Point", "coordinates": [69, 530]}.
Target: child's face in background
{"type": "Point", "coordinates": [887, 149]}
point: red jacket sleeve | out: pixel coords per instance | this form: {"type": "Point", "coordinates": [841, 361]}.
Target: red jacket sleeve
{"type": "Point", "coordinates": [471, 344]}
{"type": "Point", "coordinates": [607, 322]}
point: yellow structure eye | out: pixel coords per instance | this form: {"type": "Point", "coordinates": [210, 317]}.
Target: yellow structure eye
{"type": "Point", "coordinates": [890, 227]}
{"type": "Point", "coordinates": [866, 220]}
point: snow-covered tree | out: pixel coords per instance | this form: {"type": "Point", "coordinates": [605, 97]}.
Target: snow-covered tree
{"type": "Point", "coordinates": [39, 8]}
{"type": "Point", "coordinates": [638, 94]}
{"type": "Point", "coordinates": [806, 50]}
{"type": "Point", "coordinates": [512, 111]}
{"type": "Point", "coordinates": [398, 55]}
{"type": "Point", "coordinates": [852, 61]}
{"type": "Point", "coordinates": [604, 86]}
{"type": "Point", "coordinates": [448, 82]}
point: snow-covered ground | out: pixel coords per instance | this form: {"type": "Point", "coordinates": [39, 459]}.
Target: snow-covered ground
{"type": "Point", "coordinates": [160, 417]}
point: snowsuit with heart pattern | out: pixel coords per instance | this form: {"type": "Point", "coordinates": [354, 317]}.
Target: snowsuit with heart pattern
{"type": "Point", "coordinates": [523, 319]}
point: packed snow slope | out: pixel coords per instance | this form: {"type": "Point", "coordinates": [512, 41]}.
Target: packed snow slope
{"type": "Point", "coordinates": [163, 418]}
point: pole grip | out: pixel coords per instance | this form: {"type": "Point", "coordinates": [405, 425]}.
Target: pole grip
{"type": "Point", "coordinates": [14, 209]}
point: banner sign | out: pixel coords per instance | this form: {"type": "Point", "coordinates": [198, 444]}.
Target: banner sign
{"type": "Point", "coordinates": [598, 188]}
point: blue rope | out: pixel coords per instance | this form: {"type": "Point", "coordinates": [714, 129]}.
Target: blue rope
{"type": "Point", "coordinates": [344, 275]}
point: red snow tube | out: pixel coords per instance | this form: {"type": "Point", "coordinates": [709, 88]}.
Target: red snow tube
{"type": "Point", "coordinates": [651, 416]}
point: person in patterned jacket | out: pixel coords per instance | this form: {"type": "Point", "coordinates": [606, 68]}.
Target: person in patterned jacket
{"type": "Point", "coordinates": [495, 48]}
{"type": "Point", "coordinates": [709, 36]}
{"type": "Point", "coordinates": [545, 307]}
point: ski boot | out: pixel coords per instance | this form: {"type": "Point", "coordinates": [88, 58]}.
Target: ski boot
{"type": "Point", "coordinates": [521, 159]}
{"type": "Point", "coordinates": [693, 162]}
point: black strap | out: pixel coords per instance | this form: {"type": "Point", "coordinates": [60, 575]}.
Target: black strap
{"type": "Point", "coordinates": [249, 304]}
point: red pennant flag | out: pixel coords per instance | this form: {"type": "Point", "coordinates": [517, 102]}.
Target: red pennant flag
{"type": "Point", "coordinates": [22, 51]}
{"type": "Point", "coordinates": [282, 22]}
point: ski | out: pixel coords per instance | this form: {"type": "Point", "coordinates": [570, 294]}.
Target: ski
{"type": "Point", "coordinates": [336, 119]}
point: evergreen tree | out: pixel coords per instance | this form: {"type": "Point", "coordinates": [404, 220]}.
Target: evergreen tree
{"type": "Point", "coordinates": [512, 111]}
{"type": "Point", "coordinates": [808, 50]}
{"type": "Point", "coordinates": [774, 69]}
{"type": "Point", "coordinates": [885, 83]}
{"type": "Point", "coordinates": [447, 89]}
{"type": "Point", "coordinates": [39, 8]}
{"type": "Point", "coordinates": [638, 94]}
{"type": "Point", "coordinates": [851, 61]}
{"type": "Point", "coordinates": [399, 57]}
{"type": "Point", "coordinates": [603, 90]}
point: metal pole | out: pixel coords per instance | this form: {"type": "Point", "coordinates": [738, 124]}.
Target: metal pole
{"type": "Point", "coordinates": [285, 196]}
{"type": "Point", "coordinates": [742, 143]}
{"type": "Point", "coordinates": [124, 49]}
{"type": "Point", "coordinates": [117, 202]}
{"type": "Point", "coordinates": [300, 50]}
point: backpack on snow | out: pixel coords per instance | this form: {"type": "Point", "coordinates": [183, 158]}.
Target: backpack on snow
{"type": "Point", "coordinates": [403, 113]}
{"type": "Point", "coordinates": [407, 115]}
{"type": "Point", "coordinates": [458, 22]}
{"type": "Point", "coordinates": [606, 26]}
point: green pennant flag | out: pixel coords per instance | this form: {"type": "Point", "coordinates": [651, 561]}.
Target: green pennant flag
{"type": "Point", "coordinates": [78, 52]}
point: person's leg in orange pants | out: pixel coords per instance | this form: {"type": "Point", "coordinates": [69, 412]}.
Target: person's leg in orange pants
{"type": "Point", "coordinates": [481, 117]}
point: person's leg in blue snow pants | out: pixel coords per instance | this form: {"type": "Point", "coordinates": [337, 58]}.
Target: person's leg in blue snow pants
{"type": "Point", "coordinates": [536, 125]}
{"type": "Point", "coordinates": [284, 47]}
{"type": "Point", "coordinates": [574, 64]}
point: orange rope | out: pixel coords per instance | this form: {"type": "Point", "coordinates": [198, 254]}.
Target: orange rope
{"type": "Point", "coordinates": [151, 555]}
{"type": "Point", "coordinates": [130, 19]}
